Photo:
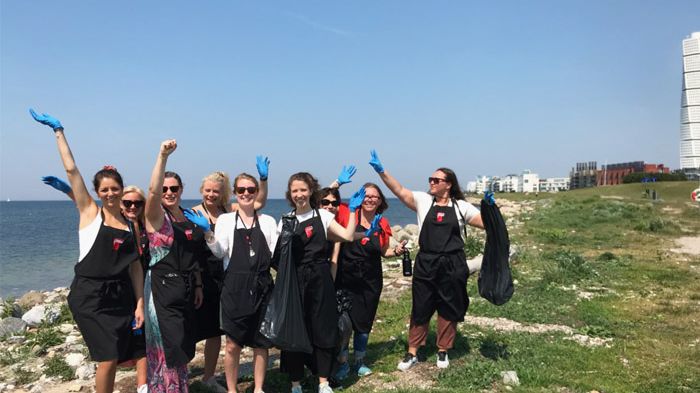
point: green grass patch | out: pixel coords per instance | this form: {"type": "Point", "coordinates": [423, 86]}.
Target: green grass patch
{"type": "Point", "coordinates": [55, 366]}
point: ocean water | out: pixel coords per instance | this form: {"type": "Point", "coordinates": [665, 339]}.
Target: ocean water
{"type": "Point", "coordinates": [39, 241]}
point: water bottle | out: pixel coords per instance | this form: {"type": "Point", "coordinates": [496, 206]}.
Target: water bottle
{"type": "Point", "coordinates": [406, 263]}
{"type": "Point", "coordinates": [137, 332]}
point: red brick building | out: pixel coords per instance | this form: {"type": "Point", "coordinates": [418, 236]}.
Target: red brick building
{"type": "Point", "coordinates": [614, 173]}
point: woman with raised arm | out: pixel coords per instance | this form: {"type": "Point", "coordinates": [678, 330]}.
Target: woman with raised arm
{"type": "Point", "coordinates": [440, 273]}
{"type": "Point", "coordinates": [330, 201]}
{"type": "Point", "coordinates": [245, 240]}
{"type": "Point", "coordinates": [105, 304]}
{"type": "Point", "coordinates": [310, 253]}
{"type": "Point", "coordinates": [172, 275]}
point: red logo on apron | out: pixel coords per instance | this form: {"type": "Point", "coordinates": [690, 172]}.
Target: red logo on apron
{"type": "Point", "coordinates": [116, 243]}
{"type": "Point", "coordinates": [309, 231]}
{"type": "Point", "coordinates": [440, 215]}
{"type": "Point", "coordinates": [188, 233]}
{"type": "Point", "coordinates": [364, 240]}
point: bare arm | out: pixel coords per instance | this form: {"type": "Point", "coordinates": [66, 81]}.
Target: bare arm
{"type": "Point", "coordinates": [334, 260]}
{"type": "Point", "coordinates": [477, 221]}
{"type": "Point", "coordinates": [405, 195]}
{"type": "Point", "coordinates": [261, 199]}
{"type": "Point", "coordinates": [345, 234]}
{"type": "Point", "coordinates": [154, 212]}
{"type": "Point", "coordinates": [136, 273]}
{"type": "Point", "coordinates": [87, 207]}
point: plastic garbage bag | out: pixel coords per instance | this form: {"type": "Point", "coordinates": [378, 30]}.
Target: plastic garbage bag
{"type": "Point", "coordinates": [495, 278]}
{"type": "Point", "coordinates": [283, 323]}
{"type": "Point", "coordinates": [344, 304]}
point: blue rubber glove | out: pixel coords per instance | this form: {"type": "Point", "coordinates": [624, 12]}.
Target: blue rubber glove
{"type": "Point", "coordinates": [198, 219]}
{"type": "Point", "coordinates": [263, 164]}
{"type": "Point", "coordinates": [356, 199]}
{"type": "Point", "coordinates": [488, 197]}
{"type": "Point", "coordinates": [376, 164]}
{"type": "Point", "coordinates": [57, 183]}
{"type": "Point", "coordinates": [374, 226]}
{"type": "Point", "coordinates": [46, 120]}
{"type": "Point", "coordinates": [345, 174]}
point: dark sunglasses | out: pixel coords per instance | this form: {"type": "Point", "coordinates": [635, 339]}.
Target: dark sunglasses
{"type": "Point", "coordinates": [326, 202]}
{"type": "Point", "coordinates": [435, 180]}
{"type": "Point", "coordinates": [171, 188]}
{"type": "Point", "coordinates": [136, 204]}
{"type": "Point", "coordinates": [241, 190]}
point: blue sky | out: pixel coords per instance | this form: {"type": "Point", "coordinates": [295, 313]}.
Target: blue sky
{"type": "Point", "coordinates": [485, 88]}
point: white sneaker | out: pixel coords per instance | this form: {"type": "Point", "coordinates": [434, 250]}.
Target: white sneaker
{"type": "Point", "coordinates": [324, 388]}
{"type": "Point", "coordinates": [443, 361]}
{"type": "Point", "coordinates": [213, 385]}
{"type": "Point", "coordinates": [142, 389]}
{"type": "Point", "coordinates": [408, 361]}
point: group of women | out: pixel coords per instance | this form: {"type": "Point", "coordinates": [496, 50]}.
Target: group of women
{"type": "Point", "coordinates": [197, 274]}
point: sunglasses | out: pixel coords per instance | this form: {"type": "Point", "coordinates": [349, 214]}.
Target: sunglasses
{"type": "Point", "coordinates": [242, 190]}
{"type": "Point", "coordinates": [326, 202]}
{"type": "Point", "coordinates": [172, 189]}
{"type": "Point", "coordinates": [128, 204]}
{"type": "Point", "coordinates": [435, 180]}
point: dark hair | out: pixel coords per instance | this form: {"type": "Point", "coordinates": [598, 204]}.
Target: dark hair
{"type": "Point", "coordinates": [109, 172]}
{"type": "Point", "coordinates": [175, 175]}
{"type": "Point", "coordinates": [451, 177]}
{"type": "Point", "coordinates": [329, 191]}
{"type": "Point", "coordinates": [382, 206]}
{"type": "Point", "coordinates": [310, 181]}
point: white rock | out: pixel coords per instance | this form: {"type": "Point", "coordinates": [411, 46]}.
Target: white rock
{"type": "Point", "coordinates": [75, 387]}
{"type": "Point", "coordinates": [66, 328]}
{"type": "Point", "coordinates": [510, 378]}
{"type": "Point", "coordinates": [41, 313]}
{"type": "Point", "coordinates": [85, 372]}
{"type": "Point", "coordinates": [36, 389]}
{"type": "Point", "coordinates": [75, 359]}
{"type": "Point", "coordinates": [72, 339]}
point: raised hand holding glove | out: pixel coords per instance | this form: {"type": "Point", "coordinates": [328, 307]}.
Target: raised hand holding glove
{"type": "Point", "coordinates": [263, 164]}
{"type": "Point", "coordinates": [57, 183]}
{"type": "Point", "coordinates": [345, 174]}
{"type": "Point", "coordinates": [197, 218]}
{"type": "Point", "coordinates": [488, 197]}
{"type": "Point", "coordinates": [374, 226]}
{"type": "Point", "coordinates": [375, 163]}
{"type": "Point", "coordinates": [46, 120]}
{"type": "Point", "coordinates": [356, 199]}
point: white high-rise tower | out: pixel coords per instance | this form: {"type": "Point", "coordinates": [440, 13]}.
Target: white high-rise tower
{"type": "Point", "coordinates": [690, 106]}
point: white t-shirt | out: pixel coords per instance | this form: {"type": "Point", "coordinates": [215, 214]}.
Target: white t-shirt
{"type": "Point", "coordinates": [88, 235]}
{"type": "Point", "coordinates": [226, 224]}
{"type": "Point", "coordinates": [326, 218]}
{"type": "Point", "coordinates": [424, 201]}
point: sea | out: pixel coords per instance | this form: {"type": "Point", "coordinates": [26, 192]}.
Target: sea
{"type": "Point", "coordinates": [39, 241]}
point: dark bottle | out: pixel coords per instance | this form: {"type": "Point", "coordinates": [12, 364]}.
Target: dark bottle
{"type": "Point", "coordinates": [406, 263]}
{"type": "Point", "coordinates": [137, 332]}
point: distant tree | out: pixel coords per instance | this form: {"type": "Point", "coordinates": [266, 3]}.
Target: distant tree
{"type": "Point", "coordinates": [644, 177]}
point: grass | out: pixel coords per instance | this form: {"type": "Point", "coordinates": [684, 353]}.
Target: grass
{"type": "Point", "coordinates": [57, 367]}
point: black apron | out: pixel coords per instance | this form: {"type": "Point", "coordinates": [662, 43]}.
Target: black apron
{"type": "Point", "coordinates": [247, 284]}
{"type": "Point", "coordinates": [143, 248]}
{"type": "Point", "coordinates": [173, 297]}
{"type": "Point", "coordinates": [101, 295]}
{"type": "Point", "coordinates": [212, 271]}
{"type": "Point", "coordinates": [441, 272]}
{"type": "Point", "coordinates": [361, 275]}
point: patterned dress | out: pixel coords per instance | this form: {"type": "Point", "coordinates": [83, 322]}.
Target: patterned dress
{"type": "Point", "coordinates": [161, 378]}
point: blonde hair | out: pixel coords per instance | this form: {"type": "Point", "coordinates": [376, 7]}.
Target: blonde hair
{"type": "Point", "coordinates": [129, 190]}
{"type": "Point", "coordinates": [225, 193]}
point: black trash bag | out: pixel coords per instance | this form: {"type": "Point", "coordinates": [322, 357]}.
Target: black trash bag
{"type": "Point", "coordinates": [495, 278]}
{"type": "Point", "coordinates": [283, 323]}
{"type": "Point", "coordinates": [344, 304]}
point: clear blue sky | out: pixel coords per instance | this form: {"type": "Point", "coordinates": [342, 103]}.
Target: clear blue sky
{"type": "Point", "coordinates": [482, 87]}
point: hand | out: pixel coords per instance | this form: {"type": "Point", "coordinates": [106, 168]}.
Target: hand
{"type": "Point", "coordinates": [263, 164]}
{"type": "Point", "coordinates": [376, 164]}
{"type": "Point", "coordinates": [138, 318]}
{"type": "Point", "coordinates": [198, 219]}
{"type": "Point", "coordinates": [356, 199]}
{"type": "Point", "coordinates": [57, 183]}
{"type": "Point", "coordinates": [400, 248]}
{"type": "Point", "coordinates": [46, 120]}
{"type": "Point", "coordinates": [198, 297]}
{"type": "Point", "coordinates": [374, 226]}
{"type": "Point", "coordinates": [167, 147]}
{"type": "Point", "coordinates": [488, 197]}
{"type": "Point", "coordinates": [345, 174]}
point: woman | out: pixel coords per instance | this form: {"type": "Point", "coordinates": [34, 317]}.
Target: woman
{"type": "Point", "coordinates": [330, 201]}
{"type": "Point", "coordinates": [245, 240]}
{"type": "Point", "coordinates": [361, 274]}
{"type": "Point", "coordinates": [132, 203]}
{"type": "Point", "coordinates": [314, 228]}
{"type": "Point", "coordinates": [170, 298]}
{"type": "Point", "coordinates": [440, 273]}
{"type": "Point", "coordinates": [103, 300]}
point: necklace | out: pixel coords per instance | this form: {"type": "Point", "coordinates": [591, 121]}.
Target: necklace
{"type": "Point", "coordinates": [248, 234]}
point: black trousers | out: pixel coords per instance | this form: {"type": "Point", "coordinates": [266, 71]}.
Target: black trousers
{"type": "Point", "coordinates": [320, 362]}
